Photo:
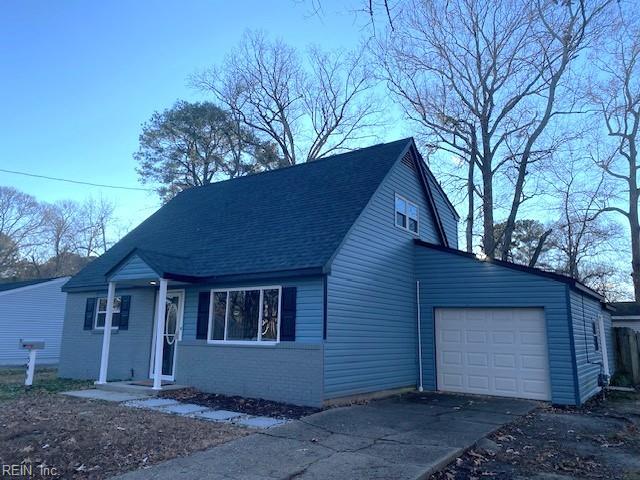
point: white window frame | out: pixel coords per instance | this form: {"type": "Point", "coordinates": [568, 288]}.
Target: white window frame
{"type": "Point", "coordinates": [406, 214]}
{"type": "Point", "coordinates": [98, 311]}
{"type": "Point", "coordinates": [595, 335]}
{"type": "Point", "coordinates": [259, 341]}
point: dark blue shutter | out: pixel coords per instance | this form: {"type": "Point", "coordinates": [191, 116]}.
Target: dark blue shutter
{"type": "Point", "coordinates": [203, 315]}
{"type": "Point", "coordinates": [125, 306]}
{"type": "Point", "coordinates": [89, 313]}
{"type": "Point", "coordinates": [288, 315]}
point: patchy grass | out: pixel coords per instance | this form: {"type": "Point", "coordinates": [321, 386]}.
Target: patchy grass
{"type": "Point", "coordinates": [45, 380]}
{"type": "Point", "coordinates": [90, 439]}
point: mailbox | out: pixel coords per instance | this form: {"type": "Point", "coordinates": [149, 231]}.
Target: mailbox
{"type": "Point", "coordinates": [31, 344]}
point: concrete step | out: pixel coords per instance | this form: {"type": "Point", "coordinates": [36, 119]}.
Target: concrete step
{"type": "Point", "coordinates": [131, 387]}
{"type": "Point", "coordinates": [127, 387]}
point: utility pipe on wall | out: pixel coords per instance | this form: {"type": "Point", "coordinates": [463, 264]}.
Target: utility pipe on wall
{"type": "Point", "coordinates": [419, 338]}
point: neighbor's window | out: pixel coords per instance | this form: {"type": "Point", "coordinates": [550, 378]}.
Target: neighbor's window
{"type": "Point", "coordinates": [406, 214]}
{"type": "Point", "coordinates": [596, 335]}
{"type": "Point", "coordinates": [101, 312]}
{"type": "Point", "coordinates": [245, 315]}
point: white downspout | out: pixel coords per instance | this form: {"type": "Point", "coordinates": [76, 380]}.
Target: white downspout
{"type": "Point", "coordinates": [420, 389]}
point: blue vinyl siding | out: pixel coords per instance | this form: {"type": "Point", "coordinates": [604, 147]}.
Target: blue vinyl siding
{"type": "Point", "coordinates": [309, 306]}
{"type": "Point", "coordinates": [371, 309]}
{"type": "Point", "coordinates": [32, 312]}
{"type": "Point", "coordinates": [133, 269]}
{"type": "Point", "coordinates": [584, 310]}
{"type": "Point", "coordinates": [448, 217]}
{"type": "Point", "coordinates": [451, 280]}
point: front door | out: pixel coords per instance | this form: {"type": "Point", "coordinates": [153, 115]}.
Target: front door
{"type": "Point", "coordinates": [174, 307]}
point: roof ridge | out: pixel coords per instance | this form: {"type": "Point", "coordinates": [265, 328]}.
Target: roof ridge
{"type": "Point", "coordinates": [301, 164]}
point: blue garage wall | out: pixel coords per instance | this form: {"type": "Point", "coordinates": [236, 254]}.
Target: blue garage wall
{"type": "Point", "coordinates": [309, 306]}
{"type": "Point", "coordinates": [371, 329]}
{"type": "Point", "coordinates": [452, 280]}
{"type": "Point", "coordinates": [585, 310]}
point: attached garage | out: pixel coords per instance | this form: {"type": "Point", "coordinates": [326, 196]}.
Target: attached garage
{"type": "Point", "coordinates": [496, 328]}
{"type": "Point", "coordinates": [492, 351]}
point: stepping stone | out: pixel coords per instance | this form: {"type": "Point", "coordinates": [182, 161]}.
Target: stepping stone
{"type": "Point", "coordinates": [183, 408]}
{"type": "Point", "coordinates": [152, 403]}
{"type": "Point", "coordinates": [217, 415]}
{"type": "Point", "coordinates": [259, 422]}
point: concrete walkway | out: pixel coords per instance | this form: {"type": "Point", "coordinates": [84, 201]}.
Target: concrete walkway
{"type": "Point", "coordinates": [399, 438]}
{"type": "Point", "coordinates": [175, 407]}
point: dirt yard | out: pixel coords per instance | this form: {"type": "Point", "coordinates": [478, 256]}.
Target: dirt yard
{"type": "Point", "coordinates": [91, 439]}
{"type": "Point", "coordinates": [252, 406]}
{"type": "Point", "coordinates": [598, 441]}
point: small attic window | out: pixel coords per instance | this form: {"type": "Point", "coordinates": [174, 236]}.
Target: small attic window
{"type": "Point", "coordinates": [406, 214]}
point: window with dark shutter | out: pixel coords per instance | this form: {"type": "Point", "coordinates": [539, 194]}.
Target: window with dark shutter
{"type": "Point", "coordinates": [202, 325]}
{"type": "Point", "coordinates": [125, 306]}
{"type": "Point", "coordinates": [89, 312]}
{"type": "Point", "coordinates": [288, 317]}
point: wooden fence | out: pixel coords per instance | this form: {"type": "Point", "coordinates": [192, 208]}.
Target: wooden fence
{"type": "Point", "coordinates": [627, 345]}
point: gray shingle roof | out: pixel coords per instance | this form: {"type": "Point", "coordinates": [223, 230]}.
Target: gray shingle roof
{"type": "Point", "coordinates": [284, 220]}
{"type": "Point", "coordinates": [25, 283]}
{"type": "Point", "coordinates": [626, 309]}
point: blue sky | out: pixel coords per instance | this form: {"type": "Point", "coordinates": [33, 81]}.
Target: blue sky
{"type": "Point", "coordinates": [79, 78]}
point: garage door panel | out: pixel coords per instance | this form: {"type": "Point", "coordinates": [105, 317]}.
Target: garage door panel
{"type": "Point", "coordinates": [503, 338]}
{"type": "Point", "coordinates": [493, 351]}
{"type": "Point", "coordinates": [478, 382]}
{"type": "Point", "coordinates": [479, 359]}
{"type": "Point", "coordinates": [533, 362]}
{"type": "Point", "coordinates": [505, 385]}
{"type": "Point", "coordinates": [452, 358]}
{"type": "Point", "coordinates": [532, 338]}
{"type": "Point", "coordinates": [504, 360]}
{"type": "Point", "coordinates": [451, 380]}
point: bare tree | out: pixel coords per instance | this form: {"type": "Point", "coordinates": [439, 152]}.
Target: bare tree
{"type": "Point", "coordinates": [95, 220]}
{"type": "Point", "coordinates": [309, 106]}
{"type": "Point", "coordinates": [616, 92]}
{"type": "Point", "coordinates": [20, 225]}
{"type": "Point", "coordinates": [486, 79]}
{"type": "Point", "coordinates": [583, 239]}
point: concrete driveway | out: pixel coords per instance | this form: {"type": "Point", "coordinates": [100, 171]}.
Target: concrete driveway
{"type": "Point", "coordinates": [406, 437]}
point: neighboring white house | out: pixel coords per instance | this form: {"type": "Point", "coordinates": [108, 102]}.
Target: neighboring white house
{"type": "Point", "coordinates": [627, 315]}
{"type": "Point", "coordinates": [32, 309]}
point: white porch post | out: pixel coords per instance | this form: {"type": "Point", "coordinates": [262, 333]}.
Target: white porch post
{"type": "Point", "coordinates": [160, 319]}
{"type": "Point", "coordinates": [106, 337]}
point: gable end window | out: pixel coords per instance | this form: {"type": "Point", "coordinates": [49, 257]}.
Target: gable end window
{"type": "Point", "coordinates": [406, 214]}
{"type": "Point", "coordinates": [101, 313]}
{"type": "Point", "coordinates": [245, 315]}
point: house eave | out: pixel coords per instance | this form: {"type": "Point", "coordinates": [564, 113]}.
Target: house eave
{"type": "Point", "coordinates": [217, 279]}
{"type": "Point", "coordinates": [574, 284]}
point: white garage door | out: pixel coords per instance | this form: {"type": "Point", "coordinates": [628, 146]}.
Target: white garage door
{"type": "Point", "coordinates": [493, 351]}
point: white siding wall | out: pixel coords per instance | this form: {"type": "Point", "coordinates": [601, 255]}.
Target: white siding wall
{"type": "Point", "coordinates": [33, 312]}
